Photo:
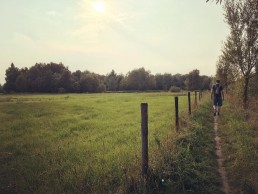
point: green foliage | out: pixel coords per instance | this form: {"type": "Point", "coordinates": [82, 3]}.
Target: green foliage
{"type": "Point", "coordinates": [113, 81]}
{"type": "Point", "coordinates": [193, 80]}
{"type": "Point", "coordinates": [174, 89]}
{"type": "Point", "coordinates": [239, 58]}
{"type": "Point", "coordinates": [1, 89]}
{"type": "Point", "coordinates": [165, 81]}
{"type": "Point", "coordinates": [56, 78]}
{"type": "Point", "coordinates": [12, 74]}
{"type": "Point", "coordinates": [140, 79]}
{"type": "Point", "coordinates": [89, 82]}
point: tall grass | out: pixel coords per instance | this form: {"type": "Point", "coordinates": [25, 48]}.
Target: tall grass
{"type": "Point", "coordinates": [88, 143]}
{"type": "Point", "coordinates": [193, 167]}
{"type": "Point", "coordinates": [239, 134]}
{"type": "Point", "coordinates": [185, 162]}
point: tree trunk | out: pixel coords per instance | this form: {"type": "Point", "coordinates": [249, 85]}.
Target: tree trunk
{"type": "Point", "coordinates": [245, 93]}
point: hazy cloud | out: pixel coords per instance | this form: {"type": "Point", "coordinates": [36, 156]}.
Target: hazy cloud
{"type": "Point", "coordinates": [53, 14]}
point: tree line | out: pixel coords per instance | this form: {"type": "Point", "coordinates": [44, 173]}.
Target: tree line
{"type": "Point", "coordinates": [56, 78]}
{"type": "Point", "coordinates": [237, 66]}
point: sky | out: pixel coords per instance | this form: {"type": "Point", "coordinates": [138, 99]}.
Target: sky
{"type": "Point", "coordinates": [163, 36]}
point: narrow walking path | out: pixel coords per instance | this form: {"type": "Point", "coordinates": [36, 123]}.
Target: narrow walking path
{"type": "Point", "coordinates": [220, 160]}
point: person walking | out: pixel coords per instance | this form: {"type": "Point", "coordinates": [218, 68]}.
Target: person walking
{"type": "Point", "coordinates": [217, 95]}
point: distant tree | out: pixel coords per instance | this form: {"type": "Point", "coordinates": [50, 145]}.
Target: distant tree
{"type": "Point", "coordinates": [226, 72]}
{"type": "Point", "coordinates": [1, 89]}
{"type": "Point", "coordinates": [140, 79]}
{"type": "Point", "coordinates": [101, 87]}
{"type": "Point", "coordinates": [65, 81]}
{"type": "Point", "coordinates": [76, 76]}
{"type": "Point", "coordinates": [242, 43]}
{"type": "Point", "coordinates": [165, 81]}
{"type": "Point", "coordinates": [123, 83]}
{"type": "Point", "coordinates": [34, 76]}
{"type": "Point", "coordinates": [159, 81]}
{"type": "Point", "coordinates": [192, 81]}
{"type": "Point", "coordinates": [174, 89]}
{"type": "Point", "coordinates": [112, 81]}
{"type": "Point", "coordinates": [21, 83]}
{"type": "Point", "coordinates": [205, 82]}
{"type": "Point", "coordinates": [89, 82]}
{"type": "Point", "coordinates": [179, 80]}
{"type": "Point", "coordinates": [11, 75]}
{"type": "Point", "coordinates": [49, 78]}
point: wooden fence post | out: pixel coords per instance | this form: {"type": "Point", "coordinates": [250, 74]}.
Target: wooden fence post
{"type": "Point", "coordinates": [177, 115]}
{"type": "Point", "coordinates": [199, 95]}
{"type": "Point", "coordinates": [144, 134]}
{"type": "Point", "coordinates": [195, 98]}
{"type": "Point", "coordinates": [189, 104]}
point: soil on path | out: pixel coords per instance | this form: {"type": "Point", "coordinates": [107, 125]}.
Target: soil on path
{"type": "Point", "coordinates": [225, 186]}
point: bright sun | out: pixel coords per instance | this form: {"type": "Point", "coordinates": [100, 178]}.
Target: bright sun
{"type": "Point", "coordinates": [99, 6]}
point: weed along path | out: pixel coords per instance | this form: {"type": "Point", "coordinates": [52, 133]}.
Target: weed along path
{"type": "Point", "coordinates": [222, 171]}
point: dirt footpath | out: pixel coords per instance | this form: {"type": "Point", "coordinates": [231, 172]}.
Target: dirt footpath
{"type": "Point", "coordinates": [224, 181]}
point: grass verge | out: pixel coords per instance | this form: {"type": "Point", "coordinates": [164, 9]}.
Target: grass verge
{"type": "Point", "coordinates": [239, 136]}
{"type": "Point", "coordinates": [185, 161]}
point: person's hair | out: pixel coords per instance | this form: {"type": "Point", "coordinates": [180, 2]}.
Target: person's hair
{"type": "Point", "coordinates": [217, 81]}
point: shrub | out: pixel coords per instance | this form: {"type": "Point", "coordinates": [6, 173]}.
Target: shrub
{"type": "Point", "coordinates": [61, 90]}
{"type": "Point", "coordinates": [174, 89]}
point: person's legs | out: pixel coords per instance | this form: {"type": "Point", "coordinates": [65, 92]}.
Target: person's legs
{"type": "Point", "coordinates": [218, 109]}
{"type": "Point", "coordinates": [215, 102]}
{"type": "Point", "coordinates": [219, 105]}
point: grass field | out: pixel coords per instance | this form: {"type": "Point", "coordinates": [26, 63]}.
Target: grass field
{"type": "Point", "coordinates": [77, 143]}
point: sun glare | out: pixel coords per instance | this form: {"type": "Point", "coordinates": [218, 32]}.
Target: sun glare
{"type": "Point", "coordinates": [98, 6]}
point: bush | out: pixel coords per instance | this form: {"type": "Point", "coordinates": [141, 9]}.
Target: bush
{"type": "Point", "coordinates": [61, 90]}
{"type": "Point", "coordinates": [101, 88]}
{"type": "Point", "coordinates": [174, 89]}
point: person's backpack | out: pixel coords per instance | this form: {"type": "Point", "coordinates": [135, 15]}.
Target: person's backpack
{"type": "Point", "coordinates": [217, 89]}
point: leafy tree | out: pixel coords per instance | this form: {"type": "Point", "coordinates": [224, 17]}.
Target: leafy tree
{"type": "Point", "coordinates": [53, 78]}
{"type": "Point", "coordinates": [165, 81]}
{"type": "Point", "coordinates": [21, 83]}
{"type": "Point", "coordinates": [89, 82]}
{"type": "Point", "coordinates": [179, 80]}
{"type": "Point", "coordinates": [241, 45]}
{"type": "Point", "coordinates": [226, 72]}
{"type": "Point", "coordinates": [174, 89]}
{"type": "Point", "coordinates": [76, 76]}
{"type": "Point", "coordinates": [11, 75]}
{"type": "Point", "coordinates": [1, 89]}
{"type": "Point", "coordinates": [49, 78]}
{"type": "Point", "coordinates": [159, 81]}
{"type": "Point", "coordinates": [192, 81]}
{"type": "Point", "coordinates": [65, 81]}
{"type": "Point", "coordinates": [205, 82]}
{"type": "Point", "coordinates": [112, 81]}
{"type": "Point", "coordinates": [140, 79]}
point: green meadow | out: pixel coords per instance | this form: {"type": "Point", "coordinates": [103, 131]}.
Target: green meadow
{"type": "Point", "coordinates": [77, 143]}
